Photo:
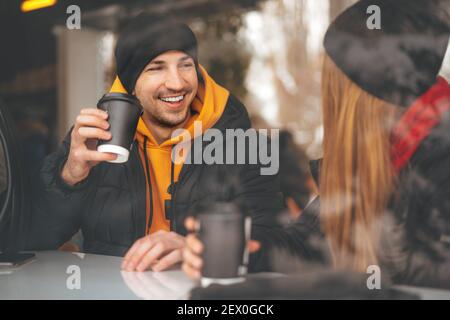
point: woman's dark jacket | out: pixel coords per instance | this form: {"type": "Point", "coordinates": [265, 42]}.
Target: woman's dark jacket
{"type": "Point", "coordinates": [415, 241]}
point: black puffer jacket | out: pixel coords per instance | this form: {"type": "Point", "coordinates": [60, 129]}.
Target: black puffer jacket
{"type": "Point", "coordinates": [109, 206]}
{"type": "Point", "coordinates": [415, 241]}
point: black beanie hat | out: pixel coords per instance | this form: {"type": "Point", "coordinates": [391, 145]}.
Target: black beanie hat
{"type": "Point", "coordinates": [399, 62]}
{"type": "Point", "coordinates": [146, 37]}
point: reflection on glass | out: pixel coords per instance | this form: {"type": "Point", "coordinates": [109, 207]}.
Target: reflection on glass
{"type": "Point", "coordinates": [290, 64]}
{"type": "Point", "coordinates": [168, 285]}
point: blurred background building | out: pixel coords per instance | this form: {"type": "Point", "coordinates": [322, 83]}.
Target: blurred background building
{"type": "Point", "coordinates": [266, 52]}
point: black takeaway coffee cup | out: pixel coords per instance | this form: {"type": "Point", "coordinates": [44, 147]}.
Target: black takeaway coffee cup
{"type": "Point", "coordinates": [124, 111]}
{"type": "Point", "coordinates": [224, 232]}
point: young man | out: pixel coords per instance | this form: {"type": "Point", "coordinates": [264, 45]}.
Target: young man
{"type": "Point", "coordinates": [138, 208]}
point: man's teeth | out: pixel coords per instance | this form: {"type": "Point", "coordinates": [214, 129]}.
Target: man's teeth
{"type": "Point", "coordinates": [172, 99]}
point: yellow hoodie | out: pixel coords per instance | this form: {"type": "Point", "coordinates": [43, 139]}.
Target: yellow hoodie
{"type": "Point", "coordinates": [207, 107]}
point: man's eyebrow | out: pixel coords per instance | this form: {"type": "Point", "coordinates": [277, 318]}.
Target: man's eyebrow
{"type": "Point", "coordinates": [157, 62]}
{"type": "Point", "coordinates": [160, 62]}
{"type": "Point", "coordinates": [185, 58]}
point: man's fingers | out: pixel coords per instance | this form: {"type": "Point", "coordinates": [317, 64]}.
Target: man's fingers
{"type": "Point", "coordinates": [84, 120]}
{"type": "Point", "coordinates": [81, 134]}
{"type": "Point", "coordinates": [139, 254]}
{"type": "Point", "coordinates": [130, 252]}
{"type": "Point", "coordinates": [94, 133]}
{"type": "Point", "coordinates": [168, 260]}
{"type": "Point", "coordinates": [135, 257]}
{"type": "Point", "coordinates": [149, 257]}
{"type": "Point", "coordinates": [95, 112]}
{"type": "Point", "coordinates": [194, 244]}
{"type": "Point", "coordinates": [92, 155]}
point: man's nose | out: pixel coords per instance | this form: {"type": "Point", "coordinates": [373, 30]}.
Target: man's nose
{"type": "Point", "coordinates": [174, 81]}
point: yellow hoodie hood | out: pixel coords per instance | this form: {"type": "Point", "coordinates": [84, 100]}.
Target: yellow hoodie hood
{"type": "Point", "coordinates": [207, 107]}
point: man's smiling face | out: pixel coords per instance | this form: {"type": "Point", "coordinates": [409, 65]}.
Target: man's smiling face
{"type": "Point", "coordinates": [166, 88]}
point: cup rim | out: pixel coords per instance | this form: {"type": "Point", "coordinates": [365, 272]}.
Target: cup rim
{"type": "Point", "coordinates": [222, 216]}
{"type": "Point", "coordinates": [119, 96]}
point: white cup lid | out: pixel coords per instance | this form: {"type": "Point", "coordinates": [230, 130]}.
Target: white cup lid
{"type": "Point", "coordinates": [122, 153]}
{"type": "Point", "coordinates": [205, 282]}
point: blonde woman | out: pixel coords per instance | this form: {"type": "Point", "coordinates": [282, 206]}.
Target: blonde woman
{"type": "Point", "coordinates": [385, 173]}
{"type": "Point", "coordinates": [385, 177]}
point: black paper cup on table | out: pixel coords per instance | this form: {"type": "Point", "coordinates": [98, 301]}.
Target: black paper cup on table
{"type": "Point", "coordinates": [224, 232]}
{"type": "Point", "coordinates": [123, 111]}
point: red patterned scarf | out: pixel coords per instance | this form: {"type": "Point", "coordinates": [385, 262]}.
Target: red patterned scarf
{"type": "Point", "coordinates": [418, 121]}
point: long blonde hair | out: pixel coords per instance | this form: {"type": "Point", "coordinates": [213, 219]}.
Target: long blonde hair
{"type": "Point", "coordinates": [356, 177]}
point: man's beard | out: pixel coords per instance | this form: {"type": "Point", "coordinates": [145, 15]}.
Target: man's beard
{"type": "Point", "coordinates": [166, 122]}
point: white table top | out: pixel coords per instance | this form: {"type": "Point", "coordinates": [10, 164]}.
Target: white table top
{"type": "Point", "coordinates": [51, 276]}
